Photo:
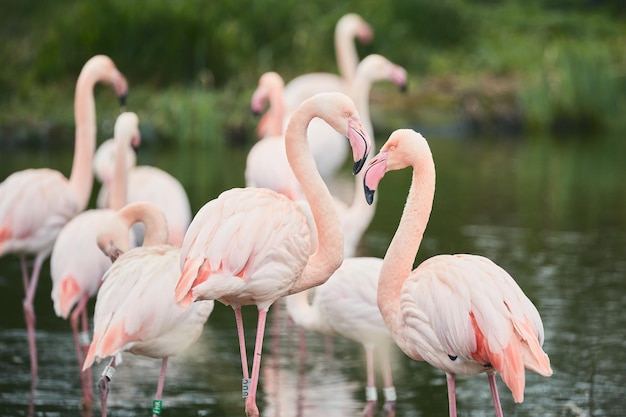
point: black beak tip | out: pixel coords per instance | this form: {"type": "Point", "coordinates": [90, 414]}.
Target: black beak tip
{"type": "Point", "coordinates": [369, 194]}
{"type": "Point", "coordinates": [123, 100]}
{"type": "Point", "coordinates": [256, 113]}
{"type": "Point", "coordinates": [404, 87]}
{"type": "Point", "coordinates": [358, 165]}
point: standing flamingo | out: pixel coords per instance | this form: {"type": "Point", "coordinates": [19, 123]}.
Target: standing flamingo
{"type": "Point", "coordinates": [345, 306]}
{"type": "Point", "coordinates": [460, 313]}
{"type": "Point", "coordinates": [267, 165]}
{"type": "Point", "coordinates": [251, 246]}
{"type": "Point", "coordinates": [135, 309]}
{"type": "Point", "coordinates": [145, 183]}
{"type": "Point", "coordinates": [36, 203]}
{"type": "Point", "coordinates": [76, 278]}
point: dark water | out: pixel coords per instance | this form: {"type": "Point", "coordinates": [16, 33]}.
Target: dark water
{"type": "Point", "coordinates": [553, 213]}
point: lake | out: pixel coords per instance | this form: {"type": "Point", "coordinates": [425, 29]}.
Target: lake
{"type": "Point", "coordinates": [551, 211]}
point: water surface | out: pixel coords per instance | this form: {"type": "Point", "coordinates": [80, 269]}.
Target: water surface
{"type": "Point", "coordinates": [552, 213]}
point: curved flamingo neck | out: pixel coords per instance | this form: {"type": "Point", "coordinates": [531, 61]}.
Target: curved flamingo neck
{"type": "Point", "coordinates": [360, 210]}
{"type": "Point", "coordinates": [152, 218]}
{"type": "Point", "coordinates": [277, 111]}
{"type": "Point", "coordinates": [400, 256]}
{"type": "Point", "coordinates": [81, 176]}
{"type": "Point", "coordinates": [118, 188]}
{"type": "Point", "coordinates": [329, 253]}
{"type": "Point", "coordinates": [345, 49]}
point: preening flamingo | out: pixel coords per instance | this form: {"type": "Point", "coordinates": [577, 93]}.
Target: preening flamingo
{"type": "Point", "coordinates": [135, 309]}
{"type": "Point", "coordinates": [251, 246]}
{"type": "Point", "coordinates": [77, 264]}
{"type": "Point", "coordinates": [460, 313]}
{"type": "Point", "coordinates": [345, 306]}
{"type": "Point", "coordinates": [145, 183]}
{"type": "Point", "coordinates": [36, 203]}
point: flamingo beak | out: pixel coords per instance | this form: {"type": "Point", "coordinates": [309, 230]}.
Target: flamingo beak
{"type": "Point", "coordinates": [374, 172]}
{"type": "Point", "coordinates": [360, 142]}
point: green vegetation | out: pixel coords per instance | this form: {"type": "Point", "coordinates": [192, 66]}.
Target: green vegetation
{"type": "Point", "coordinates": [192, 64]}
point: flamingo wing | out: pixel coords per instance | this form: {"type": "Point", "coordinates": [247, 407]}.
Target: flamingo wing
{"type": "Point", "coordinates": [76, 263]}
{"type": "Point", "coordinates": [251, 242]}
{"type": "Point", "coordinates": [469, 316]}
{"type": "Point", "coordinates": [34, 205]}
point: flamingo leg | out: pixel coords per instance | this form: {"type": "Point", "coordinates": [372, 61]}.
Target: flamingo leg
{"type": "Point", "coordinates": [103, 385]}
{"type": "Point", "coordinates": [79, 314]}
{"type": "Point", "coordinates": [242, 342]}
{"type": "Point", "coordinates": [451, 394]}
{"type": "Point", "coordinates": [30, 286]}
{"type": "Point", "coordinates": [251, 407]}
{"type": "Point", "coordinates": [157, 404]}
{"type": "Point", "coordinates": [371, 395]}
{"type": "Point", "coordinates": [389, 389]}
{"type": "Point", "coordinates": [494, 393]}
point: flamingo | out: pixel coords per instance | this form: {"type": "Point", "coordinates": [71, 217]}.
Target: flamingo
{"type": "Point", "coordinates": [135, 309]}
{"type": "Point", "coordinates": [267, 165]}
{"type": "Point", "coordinates": [345, 306]}
{"type": "Point", "coordinates": [75, 279]}
{"type": "Point", "coordinates": [329, 153]}
{"type": "Point", "coordinates": [302, 87]}
{"type": "Point", "coordinates": [460, 313]}
{"type": "Point", "coordinates": [145, 183]}
{"type": "Point", "coordinates": [36, 203]}
{"type": "Point", "coordinates": [251, 246]}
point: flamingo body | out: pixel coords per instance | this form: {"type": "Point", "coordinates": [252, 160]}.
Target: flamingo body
{"type": "Point", "coordinates": [251, 242]}
{"type": "Point", "coordinates": [149, 184]}
{"type": "Point", "coordinates": [135, 309]}
{"type": "Point", "coordinates": [28, 227]}
{"type": "Point", "coordinates": [461, 313]}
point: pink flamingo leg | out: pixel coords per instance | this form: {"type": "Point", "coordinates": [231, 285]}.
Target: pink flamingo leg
{"type": "Point", "coordinates": [30, 286]}
{"type": "Point", "coordinates": [242, 342]}
{"type": "Point", "coordinates": [389, 389]}
{"type": "Point", "coordinates": [251, 407]}
{"type": "Point", "coordinates": [156, 405]}
{"type": "Point", "coordinates": [371, 395]}
{"type": "Point", "coordinates": [494, 393]}
{"type": "Point", "coordinates": [103, 385]}
{"type": "Point", "coordinates": [80, 313]}
{"type": "Point", "coordinates": [451, 394]}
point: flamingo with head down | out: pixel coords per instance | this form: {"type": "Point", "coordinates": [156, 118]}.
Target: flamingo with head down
{"type": "Point", "coordinates": [135, 309]}
{"type": "Point", "coordinates": [251, 246]}
{"type": "Point", "coordinates": [460, 313]}
{"type": "Point", "coordinates": [76, 263]}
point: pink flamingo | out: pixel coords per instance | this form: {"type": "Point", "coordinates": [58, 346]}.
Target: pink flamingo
{"type": "Point", "coordinates": [145, 183]}
{"type": "Point", "coordinates": [349, 27]}
{"type": "Point", "coordinates": [135, 309]}
{"type": "Point", "coordinates": [460, 313]}
{"type": "Point", "coordinates": [75, 279]}
{"type": "Point", "coordinates": [251, 246]}
{"type": "Point", "coordinates": [36, 203]}
{"type": "Point", "coordinates": [345, 306]}
{"type": "Point", "coordinates": [267, 165]}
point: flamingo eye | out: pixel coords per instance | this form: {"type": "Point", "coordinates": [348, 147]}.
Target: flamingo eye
{"type": "Point", "coordinates": [392, 148]}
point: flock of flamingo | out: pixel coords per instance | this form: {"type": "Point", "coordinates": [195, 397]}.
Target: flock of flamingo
{"type": "Point", "coordinates": [283, 235]}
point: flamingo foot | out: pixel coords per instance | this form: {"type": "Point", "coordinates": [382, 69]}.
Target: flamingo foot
{"type": "Point", "coordinates": [390, 409]}
{"type": "Point", "coordinates": [251, 408]}
{"type": "Point", "coordinates": [370, 409]}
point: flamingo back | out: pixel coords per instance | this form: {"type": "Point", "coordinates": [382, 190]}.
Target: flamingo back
{"type": "Point", "coordinates": [245, 247]}
{"type": "Point", "coordinates": [34, 206]}
{"type": "Point", "coordinates": [466, 315]}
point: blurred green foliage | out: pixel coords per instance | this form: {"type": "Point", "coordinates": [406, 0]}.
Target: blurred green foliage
{"type": "Point", "coordinates": [567, 57]}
